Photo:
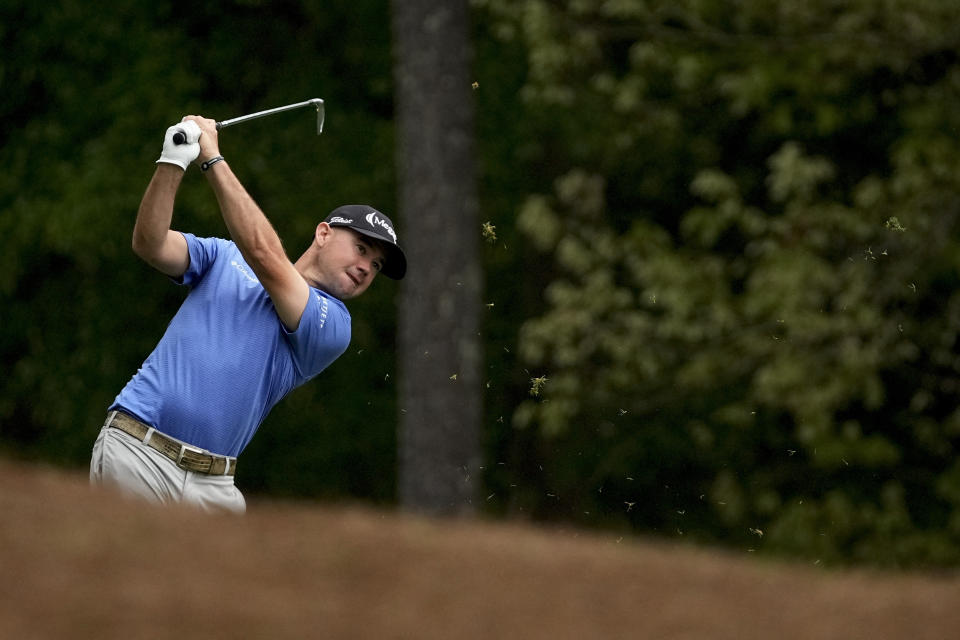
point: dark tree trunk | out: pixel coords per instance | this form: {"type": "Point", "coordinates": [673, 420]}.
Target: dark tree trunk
{"type": "Point", "coordinates": [440, 347]}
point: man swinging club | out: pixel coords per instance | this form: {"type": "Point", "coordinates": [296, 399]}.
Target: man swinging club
{"type": "Point", "coordinates": [253, 327]}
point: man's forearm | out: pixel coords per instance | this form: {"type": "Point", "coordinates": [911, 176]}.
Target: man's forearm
{"type": "Point", "coordinates": [153, 240]}
{"type": "Point", "coordinates": [156, 209]}
{"type": "Point", "coordinates": [248, 225]}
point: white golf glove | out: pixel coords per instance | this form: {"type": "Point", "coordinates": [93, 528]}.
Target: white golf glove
{"type": "Point", "coordinates": [181, 154]}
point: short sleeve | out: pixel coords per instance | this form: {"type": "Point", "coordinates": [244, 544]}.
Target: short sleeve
{"type": "Point", "coordinates": [322, 335]}
{"type": "Point", "coordinates": [203, 252]}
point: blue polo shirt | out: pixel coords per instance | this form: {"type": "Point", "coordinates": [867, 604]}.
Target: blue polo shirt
{"type": "Point", "coordinates": [226, 359]}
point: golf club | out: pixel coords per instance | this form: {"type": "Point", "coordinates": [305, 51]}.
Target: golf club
{"type": "Point", "coordinates": [180, 138]}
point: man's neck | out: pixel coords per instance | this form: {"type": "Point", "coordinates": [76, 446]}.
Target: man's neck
{"type": "Point", "coordinates": [309, 273]}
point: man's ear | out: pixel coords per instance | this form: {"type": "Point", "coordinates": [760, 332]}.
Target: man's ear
{"type": "Point", "coordinates": [322, 233]}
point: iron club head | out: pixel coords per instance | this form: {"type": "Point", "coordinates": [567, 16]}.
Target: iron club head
{"type": "Point", "coordinates": [318, 103]}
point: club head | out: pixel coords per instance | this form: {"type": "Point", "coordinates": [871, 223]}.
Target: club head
{"type": "Point", "coordinates": [318, 103]}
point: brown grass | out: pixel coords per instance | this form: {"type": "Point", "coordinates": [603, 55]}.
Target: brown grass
{"type": "Point", "coordinates": [75, 563]}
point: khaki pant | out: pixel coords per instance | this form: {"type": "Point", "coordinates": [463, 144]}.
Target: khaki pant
{"type": "Point", "coordinates": [121, 461]}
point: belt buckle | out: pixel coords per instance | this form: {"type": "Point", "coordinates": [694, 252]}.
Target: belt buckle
{"type": "Point", "coordinates": [200, 452]}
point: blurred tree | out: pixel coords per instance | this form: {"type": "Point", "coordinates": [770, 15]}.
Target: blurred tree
{"type": "Point", "coordinates": [440, 347]}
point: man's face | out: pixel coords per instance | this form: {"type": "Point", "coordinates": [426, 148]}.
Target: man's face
{"type": "Point", "coordinates": [350, 262]}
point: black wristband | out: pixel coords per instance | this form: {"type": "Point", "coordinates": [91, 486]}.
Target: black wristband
{"type": "Point", "coordinates": [209, 163]}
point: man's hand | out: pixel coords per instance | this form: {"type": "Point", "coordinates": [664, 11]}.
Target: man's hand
{"type": "Point", "coordinates": [209, 141]}
{"type": "Point", "coordinates": [181, 154]}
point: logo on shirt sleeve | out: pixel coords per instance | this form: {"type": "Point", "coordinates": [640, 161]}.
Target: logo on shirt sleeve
{"type": "Point", "coordinates": [323, 309]}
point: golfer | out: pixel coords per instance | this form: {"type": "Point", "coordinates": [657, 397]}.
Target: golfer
{"type": "Point", "coordinates": [253, 327]}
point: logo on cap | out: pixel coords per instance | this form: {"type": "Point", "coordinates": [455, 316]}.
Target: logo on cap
{"type": "Point", "coordinates": [339, 220]}
{"type": "Point", "coordinates": [376, 221]}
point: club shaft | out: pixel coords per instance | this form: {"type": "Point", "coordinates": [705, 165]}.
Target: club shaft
{"type": "Point", "coordinates": [316, 102]}
{"type": "Point", "coordinates": [180, 138]}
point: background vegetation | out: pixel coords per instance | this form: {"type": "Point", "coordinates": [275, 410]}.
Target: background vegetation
{"type": "Point", "coordinates": [726, 251]}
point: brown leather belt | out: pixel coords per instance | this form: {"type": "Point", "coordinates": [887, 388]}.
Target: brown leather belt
{"type": "Point", "coordinates": [185, 456]}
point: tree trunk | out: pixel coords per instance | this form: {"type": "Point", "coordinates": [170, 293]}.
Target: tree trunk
{"type": "Point", "coordinates": [440, 349]}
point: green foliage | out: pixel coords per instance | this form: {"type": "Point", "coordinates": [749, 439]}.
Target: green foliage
{"type": "Point", "coordinates": [751, 320]}
{"type": "Point", "coordinates": [724, 259]}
